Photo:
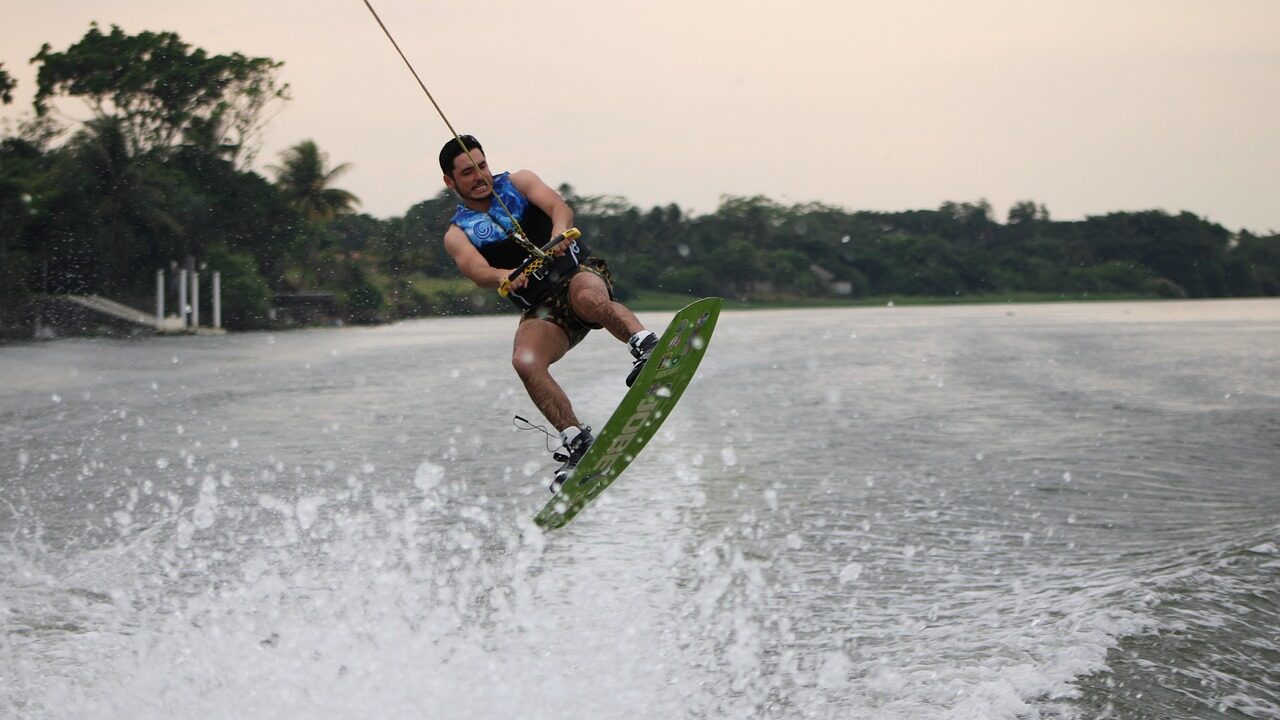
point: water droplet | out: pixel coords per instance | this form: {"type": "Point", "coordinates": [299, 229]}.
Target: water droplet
{"type": "Point", "coordinates": [728, 456]}
{"type": "Point", "coordinates": [428, 475]}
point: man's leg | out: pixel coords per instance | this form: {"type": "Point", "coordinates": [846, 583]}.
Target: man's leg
{"type": "Point", "coordinates": [538, 344]}
{"type": "Point", "coordinates": [589, 298]}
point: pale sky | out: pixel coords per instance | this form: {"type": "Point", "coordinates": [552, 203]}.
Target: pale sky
{"type": "Point", "coordinates": [1086, 106]}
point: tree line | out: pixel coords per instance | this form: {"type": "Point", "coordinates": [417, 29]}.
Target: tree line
{"type": "Point", "coordinates": [162, 171]}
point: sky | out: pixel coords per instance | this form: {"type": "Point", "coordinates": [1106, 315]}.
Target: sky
{"type": "Point", "coordinates": [1084, 106]}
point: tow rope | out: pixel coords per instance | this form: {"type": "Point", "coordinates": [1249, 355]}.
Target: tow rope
{"type": "Point", "coordinates": [517, 231]}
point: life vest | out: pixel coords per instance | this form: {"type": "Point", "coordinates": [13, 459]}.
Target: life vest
{"type": "Point", "coordinates": [492, 234]}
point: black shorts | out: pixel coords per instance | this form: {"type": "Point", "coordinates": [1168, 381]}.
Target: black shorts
{"type": "Point", "coordinates": [555, 306]}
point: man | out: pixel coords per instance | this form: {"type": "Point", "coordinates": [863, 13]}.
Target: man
{"type": "Point", "coordinates": [482, 243]}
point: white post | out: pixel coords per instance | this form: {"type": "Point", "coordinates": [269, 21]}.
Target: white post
{"type": "Point", "coordinates": [159, 299]}
{"type": "Point", "coordinates": [182, 297]}
{"type": "Point", "coordinates": [195, 299]}
{"type": "Point", "coordinates": [217, 299]}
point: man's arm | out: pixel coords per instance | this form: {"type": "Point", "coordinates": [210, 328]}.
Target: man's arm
{"type": "Point", "coordinates": [546, 198]}
{"type": "Point", "coordinates": [472, 263]}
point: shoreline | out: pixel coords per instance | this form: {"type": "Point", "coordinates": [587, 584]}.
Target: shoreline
{"type": "Point", "coordinates": [656, 302]}
{"type": "Point", "coordinates": [651, 301]}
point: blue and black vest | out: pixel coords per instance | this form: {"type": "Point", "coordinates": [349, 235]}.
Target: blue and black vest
{"type": "Point", "coordinates": [491, 232]}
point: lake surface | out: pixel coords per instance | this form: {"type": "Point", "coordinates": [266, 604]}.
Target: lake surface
{"type": "Point", "coordinates": [1013, 511]}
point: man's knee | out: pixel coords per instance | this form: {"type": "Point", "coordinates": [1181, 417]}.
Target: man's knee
{"type": "Point", "coordinates": [527, 363]}
{"type": "Point", "coordinates": [590, 298]}
{"type": "Point", "coordinates": [588, 284]}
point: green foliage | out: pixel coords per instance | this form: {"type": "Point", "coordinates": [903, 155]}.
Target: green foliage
{"type": "Point", "coordinates": [1183, 249]}
{"type": "Point", "coordinates": [359, 296]}
{"type": "Point", "coordinates": [419, 294]}
{"type": "Point", "coordinates": [1253, 268]}
{"type": "Point", "coordinates": [122, 202]}
{"type": "Point", "coordinates": [159, 88]}
{"type": "Point", "coordinates": [217, 204]}
{"type": "Point", "coordinates": [23, 172]}
{"type": "Point", "coordinates": [1117, 277]}
{"type": "Point", "coordinates": [157, 176]}
{"type": "Point", "coordinates": [7, 84]}
{"type": "Point", "coordinates": [789, 271]}
{"type": "Point", "coordinates": [689, 279]}
{"type": "Point", "coordinates": [304, 181]}
{"type": "Point", "coordinates": [246, 297]}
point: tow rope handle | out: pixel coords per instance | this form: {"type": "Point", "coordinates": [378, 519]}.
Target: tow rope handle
{"type": "Point", "coordinates": [534, 263]}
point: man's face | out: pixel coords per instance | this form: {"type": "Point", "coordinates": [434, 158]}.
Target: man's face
{"type": "Point", "coordinates": [466, 180]}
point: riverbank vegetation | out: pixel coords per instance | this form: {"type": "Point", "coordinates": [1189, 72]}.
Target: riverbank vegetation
{"type": "Point", "coordinates": [162, 174]}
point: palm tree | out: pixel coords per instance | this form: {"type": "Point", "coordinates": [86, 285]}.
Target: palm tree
{"type": "Point", "coordinates": [128, 221]}
{"type": "Point", "coordinates": [6, 86]}
{"type": "Point", "coordinates": [304, 181]}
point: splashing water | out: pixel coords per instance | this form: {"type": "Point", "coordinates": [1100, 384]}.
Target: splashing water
{"type": "Point", "coordinates": [821, 530]}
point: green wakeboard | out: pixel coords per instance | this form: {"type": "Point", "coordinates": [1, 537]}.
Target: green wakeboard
{"type": "Point", "coordinates": [640, 414]}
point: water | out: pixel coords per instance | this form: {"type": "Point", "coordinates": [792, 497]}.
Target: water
{"type": "Point", "coordinates": [1060, 511]}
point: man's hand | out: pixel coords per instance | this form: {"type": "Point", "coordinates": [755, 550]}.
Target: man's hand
{"type": "Point", "coordinates": [562, 247]}
{"type": "Point", "coordinates": [506, 285]}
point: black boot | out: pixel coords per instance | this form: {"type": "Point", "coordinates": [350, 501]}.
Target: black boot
{"type": "Point", "coordinates": [571, 454]}
{"type": "Point", "coordinates": [641, 352]}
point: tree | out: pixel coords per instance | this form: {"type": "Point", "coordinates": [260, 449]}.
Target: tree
{"type": "Point", "coordinates": [415, 243]}
{"type": "Point", "coordinates": [1184, 249]}
{"type": "Point", "coordinates": [219, 205]}
{"type": "Point", "coordinates": [1254, 265]}
{"type": "Point", "coordinates": [246, 297]}
{"type": "Point", "coordinates": [971, 222]}
{"type": "Point", "coordinates": [304, 181]}
{"type": "Point", "coordinates": [1025, 212]}
{"type": "Point", "coordinates": [112, 212]}
{"type": "Point", "coordinates": [159, 88]}
{"type": "Point", "coordinates": [23, 170]}
{"type": "Point", "coordinates": [7, 84]}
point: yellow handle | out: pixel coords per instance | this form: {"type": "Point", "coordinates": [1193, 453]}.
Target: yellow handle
{"type": "Point", "coordinates": [504, 287]}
